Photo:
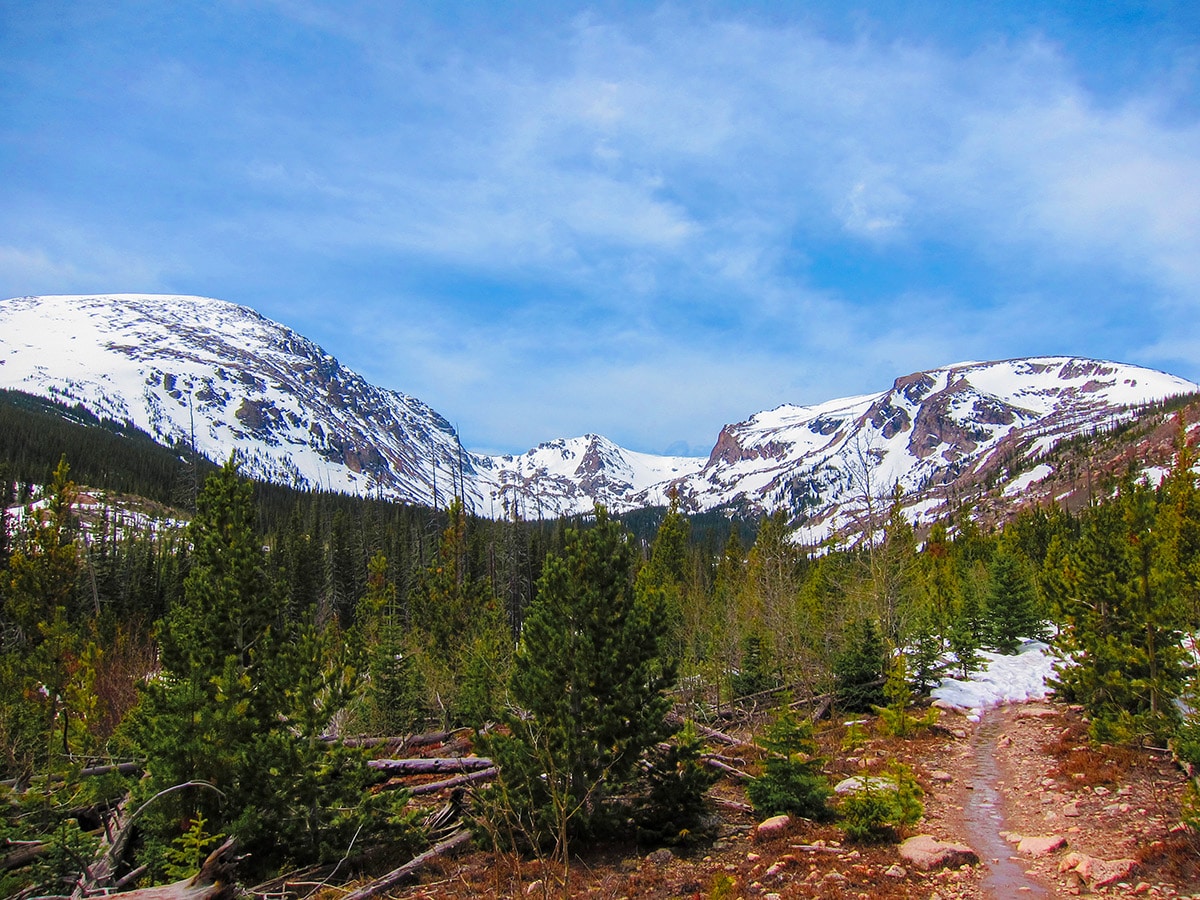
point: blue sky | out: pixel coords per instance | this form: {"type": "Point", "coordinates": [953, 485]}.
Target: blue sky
{"type": "Point", "coordinates": [642, 220]}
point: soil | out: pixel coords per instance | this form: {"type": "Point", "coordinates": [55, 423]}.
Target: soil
{"type": "Point", "coordinates": [1026, 770]}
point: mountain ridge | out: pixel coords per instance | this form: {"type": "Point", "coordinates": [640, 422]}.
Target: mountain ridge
{"type": "Point", "coordinates": [222, 375]}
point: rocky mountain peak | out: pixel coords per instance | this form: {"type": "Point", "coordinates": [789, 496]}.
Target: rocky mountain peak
{"type": "Point", "coordinates": [193, 368]}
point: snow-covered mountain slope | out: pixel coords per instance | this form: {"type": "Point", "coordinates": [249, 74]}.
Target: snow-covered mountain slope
{"type": "Point", "coordinates": [569, 476]}
{"type": "Point", "coordinates": [184, 368]}
{"type": "Point", "coordinates": [936, 434]}
{"type": "Point", "coordinates": [178, 366]}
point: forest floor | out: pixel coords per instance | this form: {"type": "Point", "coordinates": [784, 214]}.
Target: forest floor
{"type": "Point", "coordinates": [1025, 770]}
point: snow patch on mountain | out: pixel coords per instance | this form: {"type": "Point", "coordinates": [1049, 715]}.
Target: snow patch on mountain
{"type": "Point", "coordinates": [190, 369]}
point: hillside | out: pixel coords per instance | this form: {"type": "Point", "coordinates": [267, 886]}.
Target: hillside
{"type": "Point", "coordinates": [193, 371]}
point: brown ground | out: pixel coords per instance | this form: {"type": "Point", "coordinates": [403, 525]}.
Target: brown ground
{"type": "Point", "coordinates": [1107, 803]}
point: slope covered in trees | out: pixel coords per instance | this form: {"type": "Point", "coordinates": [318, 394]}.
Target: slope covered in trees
{"type": "Point", "coordinates": [227, 656]}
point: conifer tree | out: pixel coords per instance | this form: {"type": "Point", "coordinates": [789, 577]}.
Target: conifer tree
{"type": "Point", "coordinates": [666, 571]}
{"type": "Point", "coordinates": [243, 700]}
{"type": "Point", "coordinates": [458, 622]}
{"type": "Point", "coordinates": [859, 668]}
{"type": "Point", "coordinates": [1123, 620]}
{"type": "Point", "coordinates": [1012, 607]}
{"type": "Point", "coordinates": [48, 657]}
{"type": "Point", "coordinates": [588, 683]}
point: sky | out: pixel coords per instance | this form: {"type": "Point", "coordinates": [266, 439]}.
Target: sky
{"type": "Point", "coordinates": [636, 219]}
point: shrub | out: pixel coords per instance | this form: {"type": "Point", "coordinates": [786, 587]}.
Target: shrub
{"type": "Point", "coordinates": [791, 781]}
{"type": "Point", "coordinates": [874, 814]}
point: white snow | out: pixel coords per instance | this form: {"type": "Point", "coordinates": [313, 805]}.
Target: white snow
{"type": "Point", "coordinates": [1003, 679]}
{"type": "Point", "coordinates": [297, 416]}
{"type": "Point", "coordinates": [1025, 479]}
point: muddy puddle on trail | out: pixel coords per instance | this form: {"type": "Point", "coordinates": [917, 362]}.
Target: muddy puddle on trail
{"type": "Point", "coordinates": [1004, 875]}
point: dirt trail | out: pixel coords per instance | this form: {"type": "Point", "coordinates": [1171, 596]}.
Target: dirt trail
{"type": "Point", "coordinates": [1027, 770]}
{"type": "Point", "coordinates": [984, 820]}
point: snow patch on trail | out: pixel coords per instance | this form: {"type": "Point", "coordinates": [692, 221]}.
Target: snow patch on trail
{"type": "Point", "coordinates": [1003, 679]}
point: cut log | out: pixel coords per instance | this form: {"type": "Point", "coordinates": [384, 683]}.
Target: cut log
{"type": "Point", "coordinates": [394, 877]}
{"type": "Point", "coordinates": [432, 766]}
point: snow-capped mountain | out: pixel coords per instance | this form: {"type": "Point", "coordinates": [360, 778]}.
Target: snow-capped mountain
{"type": "Point", "coordinates": [569, 476]}
{"type": "Point", "coordinates": [190, 368]}
{"type": "Point", "coordinates": [179, 367]}
{"type": "Point", "coordinates": [936, 434]}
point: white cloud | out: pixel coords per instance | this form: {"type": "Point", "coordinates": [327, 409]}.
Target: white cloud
{"type": "Point", "coordinates": [657, 205]}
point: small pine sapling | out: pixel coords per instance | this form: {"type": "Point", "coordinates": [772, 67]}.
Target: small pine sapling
{"type": "Point", "coordinates": [895, 719]}
{"type": "Point", "coordinates": [875, 813]}
{"type": "Point", "coordinates": [791, 782]}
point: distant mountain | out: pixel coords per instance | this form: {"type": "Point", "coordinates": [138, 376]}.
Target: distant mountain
{"type": "Point", "coordinates": [190, 369]}
{"type": "Point", "coordinates": [943, 436]}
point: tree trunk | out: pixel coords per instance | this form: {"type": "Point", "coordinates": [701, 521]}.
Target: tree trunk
{"type": "Point", "coordinates": [431, 766]}
{"type": "Point", "coordinates": [394, 877]}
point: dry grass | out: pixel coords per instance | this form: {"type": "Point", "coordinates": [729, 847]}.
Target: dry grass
{"type": "Point", "coordinates": [1086, 766]}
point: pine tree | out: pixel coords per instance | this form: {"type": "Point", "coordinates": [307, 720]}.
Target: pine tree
{"type": "Point", "coordinates": [1123, 620]}
{"type": "Point", "coordinates": [1012, 606]}
{"type": "Point", "coordinates": [858, 670]}
{"type": "Point", "coordinates": [48, 656]}
{"type": "Point", "coordinates": [588, 680]}
{"type": "Point", "coordinates": [791, 781]}
{"type": "Point", "coordinates": [666, 571]}
{"type": "Point", "coordinates": [243, 700]}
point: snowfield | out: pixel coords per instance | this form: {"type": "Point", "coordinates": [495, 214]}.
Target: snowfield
{"type": "Point", "coordinates": [1003, 679]}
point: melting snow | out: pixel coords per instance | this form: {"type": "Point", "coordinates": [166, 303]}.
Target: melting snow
{"type": "Point", "coordinates": [1004, 679]}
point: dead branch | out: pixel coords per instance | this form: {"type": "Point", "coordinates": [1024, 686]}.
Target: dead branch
{"type": "Point", "coordinates": [394, 877]}
{"type": "Point", "coordinates": [436, 786]}
{"type": "Point", "coordinates": [817, 848]}
{"type": "Point", "coordinates": [704, 731]}
{"type": "Point", "coordinates": [432, 766]}
{"type": "Point", "coordinates": [99, 875]}
{"type": "Point", "coordinates": [732, 805]}
{"type": "Point", "coordinates": [727, 769]}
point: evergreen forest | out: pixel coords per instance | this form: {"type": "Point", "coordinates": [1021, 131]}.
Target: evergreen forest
{"type": "Point", "coordinates": [214, 660]}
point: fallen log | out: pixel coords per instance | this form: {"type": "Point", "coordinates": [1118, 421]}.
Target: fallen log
{"type": "Point", "coordinates": [22, 853]}
{"type": "Point", "coordinates": [434, 787]}
{"type": "Point", "coordinates": [432, 766]}
{"type": "Point", "coordinates": [214, 881]}
{"type": "Point", "coordinates": [394, 877]}
{"type": "Point", "coordinates": [125, 768]}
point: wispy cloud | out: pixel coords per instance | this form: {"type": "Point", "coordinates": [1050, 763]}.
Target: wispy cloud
{"type": "Point", "coordinates": [672, 216]}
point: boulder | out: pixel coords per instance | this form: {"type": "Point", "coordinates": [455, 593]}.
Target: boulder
{"type": "Point", "coordinates": [1041, 845]}
{"type": "Point", "coordinates": [927, 852]}
{"type": "Point", "coordinates": [856, 783]}
{"type": "Point", "coordinates": [773, 827]}
{"type": "Point", "coordinates": [1095, 872]}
